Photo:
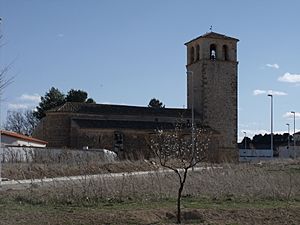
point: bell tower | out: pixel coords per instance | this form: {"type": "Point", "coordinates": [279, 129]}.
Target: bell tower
{"type": "Point", "coordinates": [212, 70]}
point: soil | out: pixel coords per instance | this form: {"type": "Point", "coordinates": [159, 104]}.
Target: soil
{"type": "Point", "coordinates": [36, 215]}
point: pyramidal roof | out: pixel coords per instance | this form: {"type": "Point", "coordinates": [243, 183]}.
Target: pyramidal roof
{"type": "Point", "coordinates": [212, 35]}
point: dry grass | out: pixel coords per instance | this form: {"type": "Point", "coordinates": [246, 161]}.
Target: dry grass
{"type": "Point", "coordinates": [38, 170]}
{"type": "Point", "coordinates": [237, 192]}
{"type": "Point", "coordinates": [227, 181]}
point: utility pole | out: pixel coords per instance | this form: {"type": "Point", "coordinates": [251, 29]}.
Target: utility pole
{"type": "Point", "coordinates": [288, 125]}
{"type": "Point", "coordinates": [272, 149]}
{"type": "Point", "coordinates": [294, 149]}
{"type": "Point", "coordinates": [1, 84]}
{"type": "Point", "coordinates": [245, 139]}
{"type": "Point", "coordinates": [193, 116]}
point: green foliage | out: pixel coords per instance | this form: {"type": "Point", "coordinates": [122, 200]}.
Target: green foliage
{"type": "Point", "coordinates": [52, 99]}
{"type": "Point", "coordinates": [76, 96]}
{"type": "Point", "coordinates": [55, 98]}
{"type": "Point", "coordinates": [90, 100]}
{"type": "Point", "coordinates": [155, 103]}
{"type": "Point", "coordinates": [260, 141]}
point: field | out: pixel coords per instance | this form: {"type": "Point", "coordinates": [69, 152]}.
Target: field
{"type": "Point", "coordinates": [196, 211]}
{"type": "Point", "coordinates": [264, 193]}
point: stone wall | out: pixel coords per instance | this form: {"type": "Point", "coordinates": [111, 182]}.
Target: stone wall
{"type": "Point", "coordinates": [55, 129]}
{"type": "Point", "coordinates": [134, 143]}
{"type": "Point", "coordinates": [212, 89]}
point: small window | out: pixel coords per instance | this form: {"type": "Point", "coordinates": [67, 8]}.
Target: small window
{"type": "Point", "coordinates": [225, 52]}
{"type": "Point", "coordinates": [197, 52]}
{"type": "Point", "coordinates": [192, 53]}
{"type": "Point", "coordinates": [213, 52]}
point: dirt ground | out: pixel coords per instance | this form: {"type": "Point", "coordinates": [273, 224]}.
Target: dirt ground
{"type": "Point", "coordinates": [235, 195]}
{"type": "Point", "coordinates": [39, 215]}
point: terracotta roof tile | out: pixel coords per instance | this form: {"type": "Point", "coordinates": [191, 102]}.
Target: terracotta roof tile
{"type": "Point", "coordinates": [21, 136]}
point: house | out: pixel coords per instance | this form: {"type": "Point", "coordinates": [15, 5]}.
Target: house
{"type": "Point", "coordinates": [12, 139]}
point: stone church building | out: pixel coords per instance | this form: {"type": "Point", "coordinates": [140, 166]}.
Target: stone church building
{"type": "Point", "coordinates": [211, 95]}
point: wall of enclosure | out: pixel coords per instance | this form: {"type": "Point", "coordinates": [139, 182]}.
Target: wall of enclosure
{"type": "Point", "coordinates": [45, 155]}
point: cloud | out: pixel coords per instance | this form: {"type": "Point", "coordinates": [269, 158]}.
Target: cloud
{"type": "Point", "coordinates": [275, 65]}
{"type": "Point", "coordinates": [25, 102]}
{"type": "Point", "coordinates": [32, 98]}
{"type": "Point", "coordinates": [290, 78]}
{"type": "Point", "coordinates": [277, 93]}
{"type": "Point", "coordinates": [271, 92]}
{"type": "Point", "coordinates": [259, 92]}
{"type": "Point", "coordinates": [18, 106]}
{"type": "Point", "coordinates": [60, 35]}
{"type": "Point", "coordinates": [291, 115]}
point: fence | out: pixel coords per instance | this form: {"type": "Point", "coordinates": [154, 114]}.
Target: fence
{"type": "Point", "coordinates": [30, 154]}
{"type": "Point", "coordinates": [255, 154]}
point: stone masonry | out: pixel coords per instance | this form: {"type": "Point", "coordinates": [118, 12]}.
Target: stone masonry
{"type": "Point", "coordinates": [212, 86]}
{"type": "Point", "coordinates": [211, 90]}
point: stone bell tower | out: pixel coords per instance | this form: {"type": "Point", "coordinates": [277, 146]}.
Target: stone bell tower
{"type": "Point", "coordinates": [212, 70]}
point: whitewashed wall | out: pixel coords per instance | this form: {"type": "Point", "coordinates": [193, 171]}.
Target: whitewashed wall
{"type": "Point", "coordinates": [29, 154]}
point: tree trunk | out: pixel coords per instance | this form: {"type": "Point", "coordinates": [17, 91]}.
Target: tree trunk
{"type": "Point", "coordinates": [178, 203]}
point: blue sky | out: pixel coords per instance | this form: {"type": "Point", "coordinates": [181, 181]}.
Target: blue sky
{"type": "Point", "coordinates": [127, 52]}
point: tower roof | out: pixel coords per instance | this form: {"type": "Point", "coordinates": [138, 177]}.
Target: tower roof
{"type": "Point", "coordinates": [212, 35]}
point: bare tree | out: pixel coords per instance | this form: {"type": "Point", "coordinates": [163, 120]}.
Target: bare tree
{"type": "Point", "coordinates": [4, 80]}
{"type": "Point", "coordinates": [22, 122]}
{"type": "Point", "coordinates": [175, 151]}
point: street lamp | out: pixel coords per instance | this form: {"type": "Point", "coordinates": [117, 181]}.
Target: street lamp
{"type": "Point", "coordinates": [288, 135]}
{"type": "Point", "coordinates": [1, 150]}
{"type": "Point", "coordinates": [191, 73]}
{"type": "Point", "coordinates": [271, 96]}
{"type": "Point", "coordinates": [294, 149]}
{"type": "Point", "coordinates": [245, 139]}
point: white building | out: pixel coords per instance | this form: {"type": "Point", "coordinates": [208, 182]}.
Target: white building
{"type": "Point", "coordinates": [12, 139]}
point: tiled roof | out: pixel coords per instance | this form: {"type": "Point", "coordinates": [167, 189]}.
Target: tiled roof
{"type": "Point", "coordinates": [105, 109]}
{"type": "Point", "coordinates": [212, 35]}
{"type": "Point", "coordinates": [22, 137]}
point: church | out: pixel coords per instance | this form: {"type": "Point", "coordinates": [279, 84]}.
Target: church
{"type": "Point", "coordinates": [212, 79]}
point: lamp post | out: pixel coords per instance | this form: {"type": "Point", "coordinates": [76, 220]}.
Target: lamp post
{"type": "Point", "coordinates": [191, 73]}
{"type": "Point", "coordinates": [294, 149]}
{"type": "Point", "coordinates": [288, 125]}
{"type": "Point", "coordinates": [1, 83]}
{"type": "Point", "coordinates": [271, 96]}
{"type": "Point", "coordinates": [245, 139]}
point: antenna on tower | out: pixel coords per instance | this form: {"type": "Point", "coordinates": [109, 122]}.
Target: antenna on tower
{"type": "Point", "coordinates": [210, 28]}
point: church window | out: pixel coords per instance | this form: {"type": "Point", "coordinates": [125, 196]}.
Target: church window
{"type": "Point", "coordinates": [197, 52]}
{"type": "Point", "coordinates": [225, 52]}
{"type": "Point", "coordinates": [192, 53]}
{"type": "Point", "coordinates": [213, 52]}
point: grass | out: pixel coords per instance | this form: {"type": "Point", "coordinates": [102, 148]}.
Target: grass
{"type": "Point", "coordinates": [16, 211]}
{"type": "Point", "coordinates": [187, 202]}
{"type": "Point", "coordinates": [267, 193]}
{"type": "Point", "coordinates": [237, 203]}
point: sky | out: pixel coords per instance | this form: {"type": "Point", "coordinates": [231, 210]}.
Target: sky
{"type": "Point", "coordinates": [127, 52]}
